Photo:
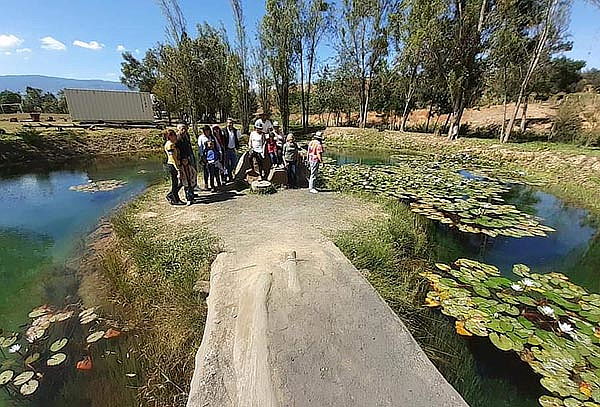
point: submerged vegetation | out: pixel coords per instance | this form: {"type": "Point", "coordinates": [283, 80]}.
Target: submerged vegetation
{"type": "Point", "coordinates": [152, 268]}
{"type": "Point", "coordinates": [550, 322]}
{"type": "Point", "coordinates": [436, 190]}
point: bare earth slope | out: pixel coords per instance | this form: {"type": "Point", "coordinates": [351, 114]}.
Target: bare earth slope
{"type": "Point", "coordinates": [308, 331]}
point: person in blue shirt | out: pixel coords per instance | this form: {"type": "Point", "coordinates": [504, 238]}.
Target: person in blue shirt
{"type": "Point", "coordinates": [211, 157]}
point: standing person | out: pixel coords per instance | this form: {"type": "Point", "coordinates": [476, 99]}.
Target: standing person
{"type": "Point", "coordinates": [291, 158]}
{"type": "Point", "coordinates": [256, 142]}
{"type": "Point", "coordinates": [272, 149]}
{"type": "Point", "coordinates": [280, 140]}
{"type": "Point", "coordinates": [184, 143]}
{"type": "Point", "coordinates": [265, 120]}
{"type": "Point", "coordinates": [189, 179]}
{"type": "Point", "coordinates": [221, 142]}
{"type": "Point", "coordinates": [315, 159]}
{"type": "Point", "coordinates": [232, 136]}
{"type": "Point", "coordinates": [173, 167]}
{"type": "Point", "coordinates": [211, 157]}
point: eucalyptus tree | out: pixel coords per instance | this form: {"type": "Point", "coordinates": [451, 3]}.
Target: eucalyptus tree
{"type": "Point", "coordinates": [363, 44]}
{"type": "Point", "coordinates": [547, 31]}
{"type": "Point", "coordinates": [315, 22]}
{"type": "Point", "coordinates": [280, 42]}
{"type": "Point", "coordinates": [140, 75]}
{"type": "Point", "coordinates": [243, 93]}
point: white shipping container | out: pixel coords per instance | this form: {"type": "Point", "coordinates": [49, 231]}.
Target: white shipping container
{"type": "Point", "coordinates": [109, 106]}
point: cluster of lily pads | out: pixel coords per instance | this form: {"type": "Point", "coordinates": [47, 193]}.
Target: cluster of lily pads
{"type": "Point", "coordinates": [55, 339]}
{"type": "Point", "coordinates": [552, 323]}
{"type": "Point", "coordinates": [99, 186]}
{"type": "Point", "coordinates": [439, 192]}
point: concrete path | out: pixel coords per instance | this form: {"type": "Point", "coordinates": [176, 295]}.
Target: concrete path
{"type": "Point", "coordinates": [303, 330]}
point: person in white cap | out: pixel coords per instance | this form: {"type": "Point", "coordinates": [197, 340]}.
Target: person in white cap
{"type": "Point", "coordinates": [315, 159]}
{"type": "Point", "coordinates": [267, 126]}
{"type": "Point", "coordinates": [256, 142]}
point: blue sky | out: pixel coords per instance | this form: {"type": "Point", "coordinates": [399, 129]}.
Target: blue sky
{"type": "Point", "coordinates": [79, 38]}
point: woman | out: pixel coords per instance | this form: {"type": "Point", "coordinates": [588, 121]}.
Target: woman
{"type": "Point", "coordinates": [173, 167]}
{"type": "Point", "coordinates": [291, 157]}
{"type": "Point", "coordinates": [221, 142]}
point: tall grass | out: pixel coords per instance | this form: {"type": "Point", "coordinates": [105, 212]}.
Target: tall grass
{"type": "Point", "coordinates": [392, 252]}
{"type": "Point", "coordinates": [152, 271]}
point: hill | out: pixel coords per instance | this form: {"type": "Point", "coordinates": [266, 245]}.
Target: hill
{"type": "Point", "coordinates": [18, 83]}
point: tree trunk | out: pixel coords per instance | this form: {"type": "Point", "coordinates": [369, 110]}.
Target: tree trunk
{"type": "Point", "coordinates": [302, 96]}
{"type": "Point", "coordinates": [523, 126]}
{"type": "Point", "coordinates": [429, 117]}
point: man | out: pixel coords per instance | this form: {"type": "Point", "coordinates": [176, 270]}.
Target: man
{"type": "Point", "coordinates": [232, 140]}
{"type": "Point", "coordinates": [267, 126]}
{"type": "Point", "coordinates": [256, 142]}
{"type": "Point", "coordinates": [280, 139]}
{"type": "Point", "coordinates": [315, 158]}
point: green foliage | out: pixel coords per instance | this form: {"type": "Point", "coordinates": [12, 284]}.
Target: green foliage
{"type": "Point", "coordinates": [8, 96]}
{"type": "Point", "coordinates": [550, 322]}
{"type": "Point", "coordinates": [140, 75]}
{"type": "Point", "coordinates": [568, 124]}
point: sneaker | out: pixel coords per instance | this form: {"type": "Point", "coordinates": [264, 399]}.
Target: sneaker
{"type": "Point", "coordinates": [313, 191]}
{"type": "Point", "coordinates": [189, 203]}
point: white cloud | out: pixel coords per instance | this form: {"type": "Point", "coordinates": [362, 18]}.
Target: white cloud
{"type": "Point", "coordinates": [9, 41]}
{"type": "Point", "coordinates": [8, 53]}
{"type": "Point", "coordinates": [23, 50]}
{"type": "Point", "coordinates": [121, 48]}
{"type": "Point", "coordinates": [93, 45]}
{"type": "Point", "coordinates": [137, 51]}
{"type": "Point", "coordinates": [52, 44]}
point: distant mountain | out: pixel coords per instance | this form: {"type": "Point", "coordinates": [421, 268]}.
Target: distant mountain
{"type": "Point", "coordinates": [18, 83]}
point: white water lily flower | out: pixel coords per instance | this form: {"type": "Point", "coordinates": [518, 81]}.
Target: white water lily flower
{"type": "Point", "coordinates": [15, 348]}
{"type": "Point", "coordinates": [527, 282]}
{"type": "Point", "coordinates": [566, 328]}
{"type": "Point", "coordinates": [516, 287]}
{"type": "Point", "coordinates": [546, 310]}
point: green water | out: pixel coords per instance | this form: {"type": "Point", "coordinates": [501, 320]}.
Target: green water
{"type": "Point", "coordinates": [43, 223]}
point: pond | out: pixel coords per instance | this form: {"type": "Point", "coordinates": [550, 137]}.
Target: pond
{"type": "Point", "coordinates": [43, 222]}
{"type": "Point", "coordinates": [573, 249]}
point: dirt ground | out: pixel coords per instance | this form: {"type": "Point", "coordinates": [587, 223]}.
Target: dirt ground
{"type": "Point", "coordinates": [296, 331]}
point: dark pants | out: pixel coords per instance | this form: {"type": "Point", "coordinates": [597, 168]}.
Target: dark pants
{"type": "Point", "coordinates": [230, 162]}
{"type": "Point", "coordinates": [257, 158]}
{"type": "Point", "coordinates": [292, 175]}
{"type": "Point", "coordinates": [173, 195]}
{"type": "Point", "coordinates": [274, 158]}
{"type": "Point", "coordinates": [213, 175]}
{"type": "Point", "coordinates": [189, 194]}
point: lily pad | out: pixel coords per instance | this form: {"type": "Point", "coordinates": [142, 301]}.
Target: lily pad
{"type": "Point", "coordinates": [58, 345]}
{"type": "Point", "coordinates": [95, 337]}
{"type": "Point", "coordinates": [501, 341]}
{"type": "Point", "coordinates": [34, 357]}
{"type": "Point", "coordinates": [29, 388]}
{"type": "Point", "coordinates": [56, 359]}
{"type": "Point", "coordinates": [23, 378]}
{"type": "Point", "coordinates": [6, 376]}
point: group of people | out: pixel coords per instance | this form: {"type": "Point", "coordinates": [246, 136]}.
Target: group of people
{"type": "Point", "coordinates": [218, 156]}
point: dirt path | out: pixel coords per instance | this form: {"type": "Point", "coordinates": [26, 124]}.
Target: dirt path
{"type": "Point", "coordinates": [304, 331]}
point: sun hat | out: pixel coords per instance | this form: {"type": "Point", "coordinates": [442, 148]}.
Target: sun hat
{"type": "Point", "coordinates": [318, 136]}
{"type": "Point", "coordinates": [258, 124]}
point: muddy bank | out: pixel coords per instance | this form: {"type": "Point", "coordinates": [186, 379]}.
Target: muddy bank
{"type": "Point", "coordinates": [31, 147]}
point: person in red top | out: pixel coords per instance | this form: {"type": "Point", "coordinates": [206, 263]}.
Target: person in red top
{"type": "Point", "coordinates": [272, 149]}
{"type": "Point", "coordinates": [315, 158]}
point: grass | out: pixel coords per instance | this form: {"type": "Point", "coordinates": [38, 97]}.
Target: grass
{"type": "Point", "coordinates": [391, 253]}
{"type": "Point", "coordinates": [152, 270]}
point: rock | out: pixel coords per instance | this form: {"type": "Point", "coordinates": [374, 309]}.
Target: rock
{"type": "Point", "coordinates": [262, 187]}
{"type": "Point", "coordinates": [202, 286]}
{"type": "Point", "coordinates": [278, 176]}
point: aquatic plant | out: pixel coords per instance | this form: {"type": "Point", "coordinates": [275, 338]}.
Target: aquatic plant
{"type": "Point", "coordinates": [99, 186]}
{"type": "Point", "coordinates": [53, 341]}
{"type": "Point", "coordinates": [552, 323]}
{"type": "Point", "coordinates": [439, 192]}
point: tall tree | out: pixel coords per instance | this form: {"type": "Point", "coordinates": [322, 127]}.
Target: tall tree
{"type": "Point", "coordinates": [315, 22]}
{"type": "Point", "coordinates": [140, 75]}
{"type": "Point", "coordinates": [547, 33]}
{"type": "Point", "coordinates": [280, 42]}
{"type": "Point", "coordinates": [33, 99]}
{"type": "Point", "coordinates": [363, 44]}
{"type": "Point", "coordinates": [241, 50]}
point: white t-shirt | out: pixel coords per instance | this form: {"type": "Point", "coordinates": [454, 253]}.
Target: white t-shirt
{"type": "Point", "coordinates": [257, 142]}
{"type": "Point", "coordinates": [232, 136]}
{"type": "Point", "coordinates": [202, 140]}
{"type": "Point", "coordinates": [267, 125]}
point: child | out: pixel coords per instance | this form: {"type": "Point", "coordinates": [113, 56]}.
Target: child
{"type": "Point", "coordinates": [272, 149]}
{"type": "Point", "coordinates": [188, 178]}
{"type": "Point", "coordinates": [211, 156]}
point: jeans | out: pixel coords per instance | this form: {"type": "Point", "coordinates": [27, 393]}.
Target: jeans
{"type": "Point", "coordinates": [292, 174]}
{"type": "Point", "coordinates": [314, 173]}
{"type": "Point", "coordinates": [274, 159]}
{"type": "Point", "coordinates": [230, 162]}
{"type": "Point", "coordinates": [173, 195]}
{"type": "Point", "coordinates": [213, 175]}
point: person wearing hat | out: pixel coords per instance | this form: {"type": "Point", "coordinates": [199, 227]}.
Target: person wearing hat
{"type": "Point", "coordinates": [315, 159]}
{"type": "Point", "coordinates": [291, 157]}
{"type": "Point", "coordinates": [232, 138]}
{"type": "Point", "coordinates": [256, 142]}
{"type": "Point", "coordinates": [265, 120]}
